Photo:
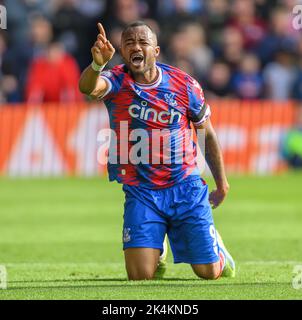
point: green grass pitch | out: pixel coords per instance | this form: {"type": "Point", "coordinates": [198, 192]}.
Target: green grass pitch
{"type": "Point", "coordinates": [61, 239]}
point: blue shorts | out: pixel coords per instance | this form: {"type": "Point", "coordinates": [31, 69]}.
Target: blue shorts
{"type": "Point", "coordinates": [182, 211]}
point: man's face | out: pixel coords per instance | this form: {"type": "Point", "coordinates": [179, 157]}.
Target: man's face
{"type": "Point", "coordinates": [139, 49]}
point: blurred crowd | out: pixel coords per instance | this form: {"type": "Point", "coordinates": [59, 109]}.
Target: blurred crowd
{"type": "Point", "coordinates": [246, 49]}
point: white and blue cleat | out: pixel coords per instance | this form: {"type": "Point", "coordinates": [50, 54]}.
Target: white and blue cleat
{"type": "Point", "coordinates": [229, 269]}
{"type": "Point", "coordinates": [162, 264]}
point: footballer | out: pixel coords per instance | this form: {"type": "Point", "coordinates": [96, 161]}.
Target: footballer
{"type": "Point", "coordinates": [161, 197]}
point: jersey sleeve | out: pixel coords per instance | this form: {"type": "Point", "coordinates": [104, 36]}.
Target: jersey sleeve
{"type": "Point", "coordinates": [198, 110]}
{"type": "Point", "coordinates": [113, 79]}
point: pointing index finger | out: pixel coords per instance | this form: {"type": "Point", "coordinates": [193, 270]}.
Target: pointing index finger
{"type": "Point", "coordinates": [101, 30]}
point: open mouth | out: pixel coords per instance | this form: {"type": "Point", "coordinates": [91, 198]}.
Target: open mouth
{"type": "Point", "coordinates": [136, 59]}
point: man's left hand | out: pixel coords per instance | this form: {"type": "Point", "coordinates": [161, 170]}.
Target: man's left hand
{"type": "Point", "coordinates": [217, 196]}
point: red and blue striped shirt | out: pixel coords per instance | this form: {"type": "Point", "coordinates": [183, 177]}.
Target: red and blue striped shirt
{"type": "Point", "coordinates": [151, 125]}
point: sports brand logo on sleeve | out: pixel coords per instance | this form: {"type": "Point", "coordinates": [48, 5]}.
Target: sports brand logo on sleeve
{"type": "Point", "coordinates": [107, 74]}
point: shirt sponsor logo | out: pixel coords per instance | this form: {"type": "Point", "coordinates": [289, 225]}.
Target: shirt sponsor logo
{"type": "Point", "coordinates": [144, 112]}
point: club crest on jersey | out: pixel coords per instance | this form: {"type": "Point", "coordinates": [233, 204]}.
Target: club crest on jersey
{"type": "Point", "coordinates": [144, 112]}
{"type": "Point", "coordinates": [170, 99]}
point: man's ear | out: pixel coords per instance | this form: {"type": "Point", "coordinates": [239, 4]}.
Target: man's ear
{"type": "Point", "coordinates": [157, 51]}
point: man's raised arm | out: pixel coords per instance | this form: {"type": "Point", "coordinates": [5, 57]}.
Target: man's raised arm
{"type": "Point", "coordinates": [214, 160]}
{"type": "Point", "coordinates": [102, 51]}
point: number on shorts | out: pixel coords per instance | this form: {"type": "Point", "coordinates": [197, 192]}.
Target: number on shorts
{"type": "Point", "coordinates": [213, 235]}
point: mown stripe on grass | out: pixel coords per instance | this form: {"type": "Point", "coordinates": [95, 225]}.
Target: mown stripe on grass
{"type": "Point", "coordinates": [93, 264]}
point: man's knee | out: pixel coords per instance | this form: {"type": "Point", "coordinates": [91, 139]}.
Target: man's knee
{"type": "Point", "coordinates": [140, 274]}
{"type": "Point", "coordinates": [141, 263]}
{"type": "Point", "coordinates": [210, 271]}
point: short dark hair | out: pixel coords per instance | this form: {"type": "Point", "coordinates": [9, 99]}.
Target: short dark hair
{"type": "Point", "coordinates": [135, 24]}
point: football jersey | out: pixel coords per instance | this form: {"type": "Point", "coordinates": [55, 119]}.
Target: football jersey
{"type": "Point", "coordinates": [151, 143]}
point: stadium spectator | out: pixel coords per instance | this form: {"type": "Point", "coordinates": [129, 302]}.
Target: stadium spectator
{"type": "Point", "coordinates": [53, 77]}
{"type": "Point", "coordinates": [279, 35]}
{"type": "Point", "coordinates": [91, 9]}
{"type": "Point", "coordinates": [39, 34]}
{"type": "Point", "coordinates": [173, 14]}
{"type": "Point", "coordinates": [188, 49]}
{"type": "Point", "coordinates": [279, 76]}
{"type": "Point", "coordinates": [248, 82]}
{"type": "Point", "coordinates": [244, 19]}
{"type": "Point", "coordinates": [217, 16]}
{"type": "Point", "coordinates": [264, 7]}
{"type": "Point", "coordinates": [200, 54]}
{"type": "Point", "coordinates": [8, 82]}
{"type": "Point", "coordinates": [178, 47]}
{"type": "Point", "coordinates": [152, 6]}
{"type": "Point", "coordinates": [180, 8]}
{"type": "Point", "coordinates": [217, 84]}
{"type": "Point", "coordinates": [232, 47]}
{"type": "Point", "coordinates": [115, 36]}
{"type": "Point", "coordinates": [121, 12]}
{"type": "Point", "coordinates": [193, 34]}
{"type": "Point", "coordinates": [70, 28]}
{"type": "Point", "coordinates": [20, 14]}
{"type": "Point", "coordinates": [297, 86]}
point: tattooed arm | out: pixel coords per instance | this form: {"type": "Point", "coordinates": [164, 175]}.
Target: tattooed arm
{"type": "Point", "coordinates": [214, 160]}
